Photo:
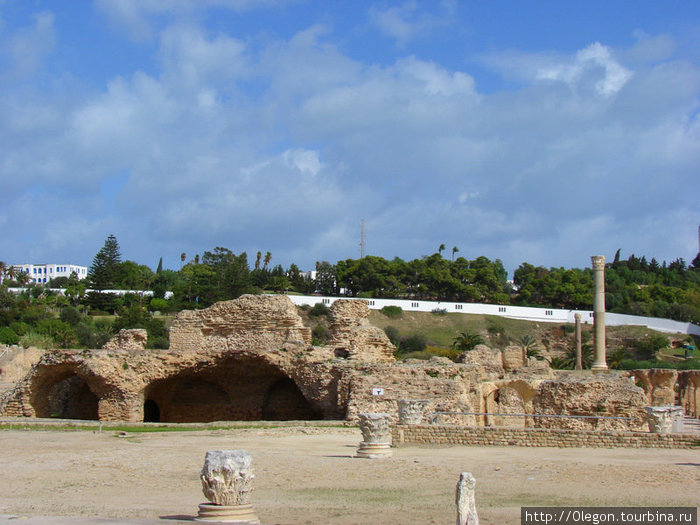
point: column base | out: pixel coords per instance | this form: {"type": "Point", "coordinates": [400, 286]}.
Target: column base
{"type": "Point", "coordinates": [597, 368]}
{"type": "Point", "coordinates": [240, 514]}
{"type": "Point", "coordinates": [374, 450]}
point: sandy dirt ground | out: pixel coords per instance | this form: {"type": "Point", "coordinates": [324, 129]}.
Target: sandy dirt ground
{"type": "Point", "coordinates": [308, 476]}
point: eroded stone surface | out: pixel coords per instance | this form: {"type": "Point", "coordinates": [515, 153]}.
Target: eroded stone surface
{"type": "Point", "coordinates": [251, 359]}
{"type": "Point", "coordinates": [375, 428]}
{"type": "Point", "coordinates": [227, 477]}
{"type": "Point", "coordinates": [128, 339]}
{"type": "Point", "coordinates": [353, 338]}
{"type": "Point", "coordinates": [663, 418]}
{"type": "Point", "coordinates": [465, 500]}
{"type": "Point", "coordinates": [411, 411]}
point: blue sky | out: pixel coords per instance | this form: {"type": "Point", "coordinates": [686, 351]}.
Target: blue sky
{"type": "Point", "coordinates": [543, 132]}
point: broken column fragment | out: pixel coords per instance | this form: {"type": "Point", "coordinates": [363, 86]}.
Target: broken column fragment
{"type": "Point", "coordinates": [464, 498]}
{"type": "Point", "coordinates": [227, 482]}
{"type": "Point", "coordinates": [376, 436]}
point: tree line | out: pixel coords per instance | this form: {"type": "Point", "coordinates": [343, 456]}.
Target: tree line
{"type": "Point", "coordinates": [635, 286]}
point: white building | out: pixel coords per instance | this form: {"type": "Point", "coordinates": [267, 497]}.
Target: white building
{"type": "Point", "coordinates": [43, 273]}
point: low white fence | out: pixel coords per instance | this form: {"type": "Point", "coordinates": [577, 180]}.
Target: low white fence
{"type": "Point", "coordinates": [527, 313]}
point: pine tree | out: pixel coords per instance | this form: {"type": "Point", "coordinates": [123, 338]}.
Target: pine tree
{"type": "Point", "coordinates": [105, 265]}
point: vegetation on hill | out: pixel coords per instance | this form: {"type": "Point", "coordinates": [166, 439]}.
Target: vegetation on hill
{"type": "Point", "coordinates": [634, 286]}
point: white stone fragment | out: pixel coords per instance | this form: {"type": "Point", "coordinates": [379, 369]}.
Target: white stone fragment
{"type": "Point", "coordinates": [464, 498]}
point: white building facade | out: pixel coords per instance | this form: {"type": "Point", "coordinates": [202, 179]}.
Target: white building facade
{"type": "Point", "coordinates": [43, 273]}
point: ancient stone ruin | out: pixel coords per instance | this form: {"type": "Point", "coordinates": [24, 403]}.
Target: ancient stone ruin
{"type": "Point", "coordinates": [252, 359]}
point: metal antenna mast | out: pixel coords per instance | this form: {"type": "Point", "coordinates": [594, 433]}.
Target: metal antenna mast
{"type": "Point", "coordinates": [362, 238]}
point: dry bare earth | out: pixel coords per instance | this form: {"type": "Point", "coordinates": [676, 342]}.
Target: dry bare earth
{"type": "Point", "coordinates": [307, 476]}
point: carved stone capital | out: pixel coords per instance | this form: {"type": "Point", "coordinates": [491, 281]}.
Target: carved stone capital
{"type": "Point", "coordinates": [598, 262]}
{"type": "Point", "coordinates": [375, 427]}
{"type": "Point", "coordinates": [227, 477]}
{"type": "Point", "coordinates": [376, 436]}
{"type": "Point", "coordinates": [661, 419]}
{"type": "Point", "coordinates": [411, 411]}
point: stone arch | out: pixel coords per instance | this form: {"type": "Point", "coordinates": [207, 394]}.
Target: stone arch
{"type": "Point", "coordinates": [242, 387]}
{"type": "Point", "coordinates": [63, 393]}
{"type": "Point", "coordinates": [284, 401]}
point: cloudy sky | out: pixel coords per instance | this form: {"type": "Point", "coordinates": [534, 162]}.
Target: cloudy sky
{"type": "Point", "coordinates": [544, 134]}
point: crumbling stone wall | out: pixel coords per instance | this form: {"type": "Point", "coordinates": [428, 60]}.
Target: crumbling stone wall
{"type": "Point", "coordinates": [246, 323]}
{"type": "Point", "coordinates": [252, 359]}
{"type": "Point", "coordinates": [128, 339]}
{"type": "Point", "coordinates": [353, 338]}
{"type": "Point", "coordinates": [611, 395]}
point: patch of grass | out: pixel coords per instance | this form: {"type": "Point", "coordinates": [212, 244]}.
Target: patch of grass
{"type": "Point", "coordinates": [335, 495]}
{"type": "Point", "coordinates": [152, 428]}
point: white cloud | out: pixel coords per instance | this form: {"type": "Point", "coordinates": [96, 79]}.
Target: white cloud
{"type": "Point", "coordinates": [587, 63]}
{"type": "Point", "coordinates": [582, 155]}
{"type": "Point", "coordinates": [28, 46]}
{"type": "Point", "coordinates": [136, 16]}
{"type": "Point", "coordinates": [307, 162]}
{"type": "Point", "coordinates": [411, 19]}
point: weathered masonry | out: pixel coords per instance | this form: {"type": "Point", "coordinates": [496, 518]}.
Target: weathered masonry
{"type": "Point", "coordinates": [252, 359]}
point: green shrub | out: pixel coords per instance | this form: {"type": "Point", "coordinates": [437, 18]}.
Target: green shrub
{"type": "Point", "coordinates": [37, 340]}
{"type": "Point", "coordinates": [393, 334]}
{"type": "Point", "coordinates": [70, 315]}
{"type": "Point", "coordinates": [159, 305]}
{"type": "Point", "coordinates": [633, 364]}
{"type": "Point", "coordinates": [392, 312]}
{"type": "Point", "coordinates": [320, 335]}
{"type": "Point", "coordinates": [94, 335]}
{"type": "Point", "coordinates": [60, 331]}
{"type": "Point", "coordinates": [20, 328]}
{"type": "Point", "coordinates": [8, 336]}
{"type": "Point", "coordinates": [648, 347]}
{"type": "Point", "coordinates": [439, 311]}
{"type": "Point", "coordinates": [318, 310]}
{"type": "Point", "coordinates": [413, 343]}
{"type": "Point", "coordinates": [158, 336]}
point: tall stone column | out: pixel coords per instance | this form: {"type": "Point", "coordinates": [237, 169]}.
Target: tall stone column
{"type": "Point", "coordinates": [577, 339]}
{"type": "Point", "coordinates": [599, 364]}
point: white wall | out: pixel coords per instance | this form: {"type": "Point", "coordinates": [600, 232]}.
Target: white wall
{"type": "Point", "coordinates": [527, 313]}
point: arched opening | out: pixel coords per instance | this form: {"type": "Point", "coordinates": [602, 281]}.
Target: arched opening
{"type": "Point", "coordinates": [239, 388]}
{"type": "Point", "coordinates": [284, 401]}
{"type": "Point", "coordinates": [65, 396]}
{"type": "Point", "coordinates": [151, 412]}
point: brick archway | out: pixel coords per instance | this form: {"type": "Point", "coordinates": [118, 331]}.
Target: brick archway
{"type": "Point", "coordinates": [62, 393]}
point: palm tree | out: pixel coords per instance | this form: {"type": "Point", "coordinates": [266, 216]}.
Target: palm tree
{"type": "Point", "coordinates": [529, 348]}
{"type": "Point", "coordinates": [266, 260]}
{"type": "Point", "coordinates": [183, 256]}
{"type": "Point", "coordinates": [441, 248]}
{"type": "Point", "coordinates": [454, 250]}
{"type": "Point", "coordinates": [466, 341]}
{"type": "Point", "coordinates": [616, 357]}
